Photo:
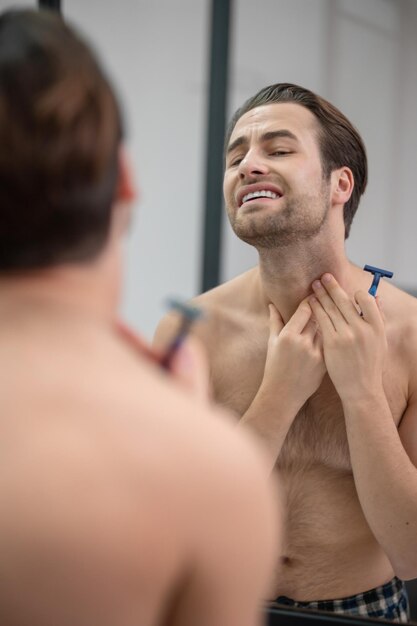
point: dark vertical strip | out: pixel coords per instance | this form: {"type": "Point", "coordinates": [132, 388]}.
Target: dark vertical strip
{"type": "Point", "coordinates": [216, 126]}
{"type": "Point", "coordinates": [54, 5]}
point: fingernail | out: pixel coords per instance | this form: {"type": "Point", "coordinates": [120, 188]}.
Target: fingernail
{"type": "Point", "coordinates": [317, 284]}
{"type": "Point", "coordinates": [312, 299]}
{"type": "Point", "coordinates": [326, 278]}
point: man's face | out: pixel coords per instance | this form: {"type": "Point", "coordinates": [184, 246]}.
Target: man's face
{"type": "Point", "coordinates": [274, 186]}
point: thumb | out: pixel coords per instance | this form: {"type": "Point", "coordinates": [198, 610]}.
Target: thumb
{"type": "Point", "coordinates": [276, 323]}
{"type": "Point", "coordinates": [189, 366]}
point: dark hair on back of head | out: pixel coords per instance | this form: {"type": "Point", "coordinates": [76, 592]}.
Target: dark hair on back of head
{"type": "Point", "coordinates": [60, 131]}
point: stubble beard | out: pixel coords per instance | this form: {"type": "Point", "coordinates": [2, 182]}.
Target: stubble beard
{"type": "Point", "coordinates": [300, 220]}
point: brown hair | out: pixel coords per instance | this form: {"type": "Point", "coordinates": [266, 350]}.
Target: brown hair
{"type": "Point", "coordinates": [60, 130]}
{"type": "Point", "coordinates": [339, 141]}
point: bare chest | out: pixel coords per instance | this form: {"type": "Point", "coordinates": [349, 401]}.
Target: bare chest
{"type": "Point", "coordinates": [318, 432]}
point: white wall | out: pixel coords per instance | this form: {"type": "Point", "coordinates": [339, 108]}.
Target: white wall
{"type": "Point", "coordinates": [8, 4]}
{"type": "Point", "coordinates": [156, 52]}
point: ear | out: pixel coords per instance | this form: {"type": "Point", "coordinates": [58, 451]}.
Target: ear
{"type": "Point", "coordinates": [126, 194]}
{"type": "Point", "coordinates": [342, 185]}
{"type": "Point", "coordinates": [126, 189]}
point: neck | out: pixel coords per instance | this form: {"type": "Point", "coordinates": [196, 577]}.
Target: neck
{"type": "Point", "coordinates": [89, 290]}
{"type": "Point", "coordinates": [287, 273]}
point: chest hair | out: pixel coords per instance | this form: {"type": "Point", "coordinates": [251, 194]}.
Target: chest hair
{"type": "Point", "coordinates": [317, 435]}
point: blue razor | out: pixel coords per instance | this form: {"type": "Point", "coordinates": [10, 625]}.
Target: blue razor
{"type": "Point", "coordinates": [378, 273]}
{"type": "Point", "coordinates": [189, 315]}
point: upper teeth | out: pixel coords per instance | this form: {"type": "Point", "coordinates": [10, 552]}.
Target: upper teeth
{"type": "Point", "coordinates": [258, 194]}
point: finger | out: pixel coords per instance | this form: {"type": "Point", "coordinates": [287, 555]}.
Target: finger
{"type": "Point", "coordinates": [324, 321]}
{"type": "Point", "coordinates": [329, 305]}
{"type": "Point", "coordinates": [339, 296]}
{"type": "Point", "coordinates": [276, 323]}
{"type": "Point", "coordinates": [311, 327]}
{"type": "Point", "coordinates": [380, 304]}
{"type": "Point", "coordinates": [189, 366]}
{"type": "Point", "coordinates": [369, 307]}
{"type": "Point", "coordinates": [300, 318]}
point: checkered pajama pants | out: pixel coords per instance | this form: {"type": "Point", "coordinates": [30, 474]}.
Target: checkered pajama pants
{"type": "Point", "coordinates": [388, 602]}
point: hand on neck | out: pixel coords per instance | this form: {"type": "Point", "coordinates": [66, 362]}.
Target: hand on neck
{"type": "Point", "coordinates": [287, 275]}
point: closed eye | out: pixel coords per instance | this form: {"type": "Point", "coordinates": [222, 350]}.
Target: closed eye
{"type": "Point", "coordinates": [236, 162]}
{"type": "Point", "coordinates": [280, 153]}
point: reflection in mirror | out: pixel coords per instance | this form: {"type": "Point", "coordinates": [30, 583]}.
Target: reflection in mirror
{"type": "Point", "coordinates": [361, 57]}
{"type": "Point", "coordinates": [329, 393]}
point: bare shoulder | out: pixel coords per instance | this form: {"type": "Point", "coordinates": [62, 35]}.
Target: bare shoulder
{"type": "Point", "coordinates": [211, 477]}
{"type": "Point", "coordinates": [208, 490]}
{"type": "Point", "coordinates": [226, 498]}
{"type": "Point", "coordinates": [163, 485]}
{"type": "Point", "coordinates": [402, 333]}
{"type": "Point", "coordinates": [186, 431]}
{"type": "Point", "coordinates": [400, 309]}
{"type": "Point", "coordinates": [223, 309]}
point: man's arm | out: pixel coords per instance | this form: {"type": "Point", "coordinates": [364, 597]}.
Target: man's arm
{"type": "Point", "coordinates": [385, 474]}
{"type": "Point", "coordinates": [294, 369]}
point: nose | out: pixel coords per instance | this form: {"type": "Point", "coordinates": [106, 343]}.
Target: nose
{"type": "Point", "coordinates": [252, 165]}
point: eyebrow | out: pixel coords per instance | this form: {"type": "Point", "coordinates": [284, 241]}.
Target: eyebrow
{"type": "Point", "coordinates": [273, 134]}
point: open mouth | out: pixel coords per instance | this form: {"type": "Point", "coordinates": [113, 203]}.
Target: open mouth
{"type": "Point", "coordinates": [258, 194]}
{"type": "Point", "coordinates": [263, 193]}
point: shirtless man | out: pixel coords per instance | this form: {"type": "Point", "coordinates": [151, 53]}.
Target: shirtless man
{"type": "Point", "coordinates": [331, 393]}
{"type": "Point", "coordinates": [125, 500]}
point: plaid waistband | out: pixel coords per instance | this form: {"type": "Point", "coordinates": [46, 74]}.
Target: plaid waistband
{"type": "Point", "coordinates": [388, 601]}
